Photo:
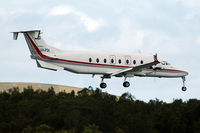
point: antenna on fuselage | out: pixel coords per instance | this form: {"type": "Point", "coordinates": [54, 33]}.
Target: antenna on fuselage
{"type": "Point", "coordinates": [139, 51]}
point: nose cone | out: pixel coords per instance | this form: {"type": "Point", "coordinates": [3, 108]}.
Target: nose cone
{"type": "Point", "coordinates": [179, 72]}
{"type": "Point", "coordinates": [185, 73]}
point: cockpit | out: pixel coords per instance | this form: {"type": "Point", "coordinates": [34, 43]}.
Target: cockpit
{"type": "Point", "coordinates": [165, 63]}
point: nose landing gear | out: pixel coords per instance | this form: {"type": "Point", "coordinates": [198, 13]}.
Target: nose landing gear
{"type": "Point", "coordinates": [184, 88]}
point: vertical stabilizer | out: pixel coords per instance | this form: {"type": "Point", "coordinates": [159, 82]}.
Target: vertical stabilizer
{"type": "Point", "coordinates": [36, 44]}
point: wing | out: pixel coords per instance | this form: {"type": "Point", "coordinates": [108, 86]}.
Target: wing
{"type": "Point", "coordinates": [137, 68]}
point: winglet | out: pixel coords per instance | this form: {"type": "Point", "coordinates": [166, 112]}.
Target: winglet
{"type": "Point", "coordinates": [155, 58]}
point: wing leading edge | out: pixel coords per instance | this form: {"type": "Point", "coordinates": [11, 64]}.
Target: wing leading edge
{"type": "Point", "coordinates": [137, 68]}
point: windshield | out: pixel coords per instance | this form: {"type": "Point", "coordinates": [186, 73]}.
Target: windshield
{"type": "Point", "coordinates": [165, 63]}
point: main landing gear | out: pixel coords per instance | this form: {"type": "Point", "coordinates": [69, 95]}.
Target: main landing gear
{"type": "Point", "coordinates": [126, 83]}
{"type": "Point", "coordinates": [104, 85]}
{"type": "Point", "coordinates": [183, 88]}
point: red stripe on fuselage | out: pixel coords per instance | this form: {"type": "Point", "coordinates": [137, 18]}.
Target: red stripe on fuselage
{"type": "Point", "coordinates": [37, 50]}
{"type": "Point", "coordinates": [70, 61]}
{"type": "Point", "coordinates": [86, 63]}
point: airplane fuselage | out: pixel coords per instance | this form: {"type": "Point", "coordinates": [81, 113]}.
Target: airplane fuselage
{"type": "Point", "coordinates": [108, 63]}
{"type": "Point", "coordinates": [96, 63]}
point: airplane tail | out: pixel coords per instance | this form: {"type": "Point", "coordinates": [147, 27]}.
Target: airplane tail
{"type": "Point", "coordinates": [37, 46]}
{"type": "Point", "coordinates": [40, 51]}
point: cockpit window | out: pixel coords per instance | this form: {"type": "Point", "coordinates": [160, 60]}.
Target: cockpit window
{"type": "Point", "coordinates": [165, 63]}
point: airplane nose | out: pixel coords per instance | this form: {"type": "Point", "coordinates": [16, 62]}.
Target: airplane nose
{"type": "Point", "coordinates": [185, 73]}
{"type": "Point", "coordinates": [181, 73]}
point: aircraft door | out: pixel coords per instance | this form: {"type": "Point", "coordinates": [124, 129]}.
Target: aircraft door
{"type": "Point", "coordinates": [128, 60]}
{"type": "Point", "coordinates": [112, 59]}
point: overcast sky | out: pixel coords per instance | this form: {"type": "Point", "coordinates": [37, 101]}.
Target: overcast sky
{"type": "Point", "coordinates": [170, 28]}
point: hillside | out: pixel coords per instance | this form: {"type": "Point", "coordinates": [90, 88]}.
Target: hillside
{"type": "Point", "coordinates": [5, 86]}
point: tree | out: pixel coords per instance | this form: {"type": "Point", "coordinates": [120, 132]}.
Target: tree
{"type": "Point", "coordinates": [28, 129]}
{"type": "Point", "coordinates": [91, 129]}
{"type": "Point", "coordinates": [43, 128]}
{"type": "Point", "coordinates": [93, 111]}
{"type": "Point", "coordinates": [65, 131]}
{"type": "Point", "coordinates": [119, 130]}
{"type": "Point", "coordinates": [197, 127]}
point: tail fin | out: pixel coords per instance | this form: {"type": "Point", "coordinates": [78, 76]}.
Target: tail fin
{"type": "Point", "coordinates": [37, 46]}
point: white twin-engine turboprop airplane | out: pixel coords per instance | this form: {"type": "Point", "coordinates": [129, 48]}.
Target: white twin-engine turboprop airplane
{"type": "Point", "coordinates": [104, 64]}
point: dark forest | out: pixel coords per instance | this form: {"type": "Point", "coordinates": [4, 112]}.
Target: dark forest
{"type": "Point", "coordinates": [93, 111]}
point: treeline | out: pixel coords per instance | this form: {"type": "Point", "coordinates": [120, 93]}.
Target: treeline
{"type": "Point", "coordinates": [92, 111]}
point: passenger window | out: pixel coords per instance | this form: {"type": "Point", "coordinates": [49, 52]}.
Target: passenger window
{"type": "Point", "coordinates": [112, 61]}
{"type": "Point", "coordinates": [90, 59]}
{"type": "Point", "coordinates": [134, 61]}
{"type": "Point", "coordinates": [97, 60]}
{"type": "Point", "coordinates": [104, 60]}
{"type": "Point", "coordinates": [141, 61]}
{"type": "Point", "coordinates": [127, 61]}
{"type": "Point", "coordinates": [120, 61]}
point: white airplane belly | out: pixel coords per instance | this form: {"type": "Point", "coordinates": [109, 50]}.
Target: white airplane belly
{"type": "Point", "coordinates": [88, 69]}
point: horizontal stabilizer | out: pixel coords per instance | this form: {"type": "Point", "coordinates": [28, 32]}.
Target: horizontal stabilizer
{"type": "Point", "coordinates": [49, 66]}
{"type": "Point", "coordinates": [35, 33]}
